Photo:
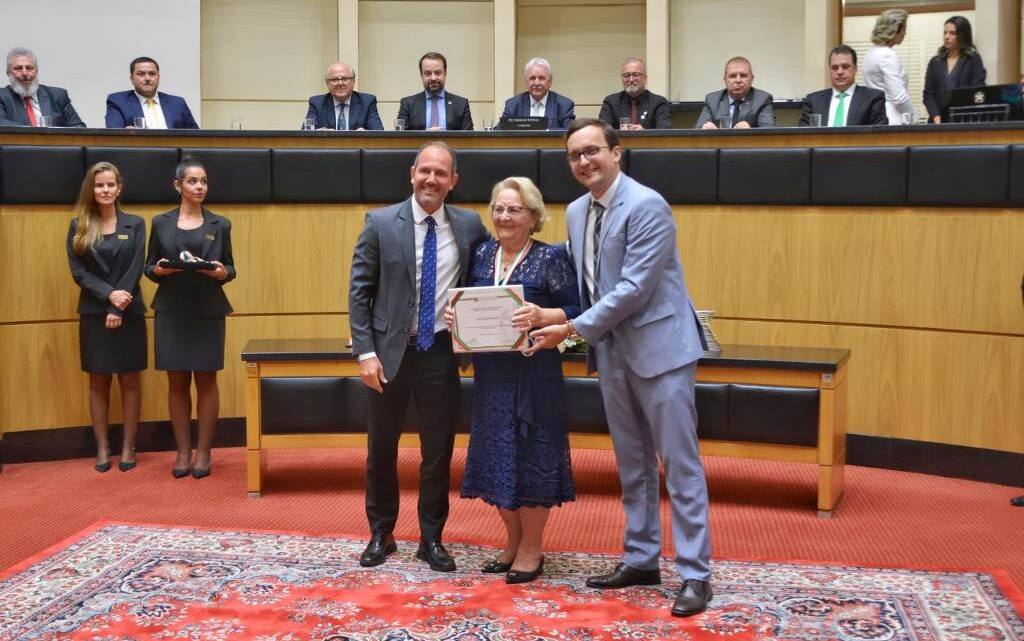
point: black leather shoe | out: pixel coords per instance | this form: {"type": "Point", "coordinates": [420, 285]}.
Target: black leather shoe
{"type": "Point", "coordinates": [519, 576]}
{"type": "Point", "coordinates": [380, 547]}
{"type": "Point", "coordinates": [436, 556]}
{"type": "Point", "coordinates": [693, 598]}
{"type": "Point", "coordinates": [496, 567]}
{"type": "Point", "coordinates": [624, 576]}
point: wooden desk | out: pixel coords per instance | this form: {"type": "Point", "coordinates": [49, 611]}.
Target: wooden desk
{"type": "Point", "coordinates": [821, 369]}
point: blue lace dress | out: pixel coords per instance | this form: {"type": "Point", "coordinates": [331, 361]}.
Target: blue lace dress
{"type": "Point", "coordinates": [519, 446]}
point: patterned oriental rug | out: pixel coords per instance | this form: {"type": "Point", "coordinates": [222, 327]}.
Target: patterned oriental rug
{"type": "Point", "coordinates": [117, 581]}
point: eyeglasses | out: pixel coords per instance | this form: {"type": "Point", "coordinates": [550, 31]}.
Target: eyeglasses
{"type": "Point", "coordinates": [626, 75]}
{"type": "Point", "coordinates": [340, 80]}
{"type": "Point", "coordinates": [587, 152]}
{"type": "Point", "coordinates": [513, 210]}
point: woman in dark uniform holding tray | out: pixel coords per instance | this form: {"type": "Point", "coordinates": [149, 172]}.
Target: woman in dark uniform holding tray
{"type": "Point", "coordinates": [105, 252]}
{"type": "Point", "coordinates": [190, 307]}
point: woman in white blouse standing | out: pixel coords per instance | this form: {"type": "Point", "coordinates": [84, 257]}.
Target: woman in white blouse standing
{"type": "Point", "coordinates": [883, 68]}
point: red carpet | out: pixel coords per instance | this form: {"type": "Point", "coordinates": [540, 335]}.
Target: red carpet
{"type": "Point", "coordinates": [122, 581]}
{"type": "Point", "coordinates": [759, 510]}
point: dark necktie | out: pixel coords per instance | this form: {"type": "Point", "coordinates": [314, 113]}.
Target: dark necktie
{"type": "Point", "coordinates": [435, 115]}
{"type": "Point", "coordinates": [633, 120]}
{"type": "Point", "coordinates": [736, 112]}
{"type": "Point", "coordinates": [342, 121]}
{"type": "Point", "coordinates": [598, 209]}
{"type": "Point", "coordinates": [428, 283]}
{"type": "Point", "coordinates": [31, 112]}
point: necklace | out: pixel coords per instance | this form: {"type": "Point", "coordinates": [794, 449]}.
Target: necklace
{"type": "Point", "coordinates": [503, 270]}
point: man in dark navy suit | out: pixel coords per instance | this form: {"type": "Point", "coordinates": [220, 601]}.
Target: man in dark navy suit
{"type": "Point", "coordinates": [25, 102]}
{"type": "Point", "coordinates": [160, 110]}
{"type": "Point", "coordinates": [434, 108]}
{"type": "Point", "coordinates": [342, 108]}
{"type": "Point", "coordinates": [538, 99]}
{"type": "Point", "coordinates": [845, 104]}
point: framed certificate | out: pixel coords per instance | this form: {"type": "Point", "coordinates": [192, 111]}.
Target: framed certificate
{"type": "Point", "coordinates": [483, 318]}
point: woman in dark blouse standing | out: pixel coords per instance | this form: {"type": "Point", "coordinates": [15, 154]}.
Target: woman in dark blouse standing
{"type": "Point", "coordinates": [105, 253]}
{"type": "Point", "coordinates": [190, 307]}
{"type": "Point", "coordinates": [957, 64]}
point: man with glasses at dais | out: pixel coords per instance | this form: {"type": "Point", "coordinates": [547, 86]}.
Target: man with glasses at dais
{"type": "Point", "coordinates": [342, 108]}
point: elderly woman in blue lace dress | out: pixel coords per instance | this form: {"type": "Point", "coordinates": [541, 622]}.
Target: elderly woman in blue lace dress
{"type": "Point", "coordinates": [518, 458]}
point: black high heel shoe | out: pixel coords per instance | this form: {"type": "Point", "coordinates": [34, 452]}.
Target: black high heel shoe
{"type": "Point", "coordinates": [102, 467]}
{"type": "Point", "coordinates": [496, 567]}
{"type": "Point", "coordinates": [518, 576]}
{"type": "Point", "coordinates": [201, 472]}
{"type": "Point", "coordinates": [179, 472]}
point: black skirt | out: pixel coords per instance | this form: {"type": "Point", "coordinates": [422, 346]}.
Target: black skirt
{"type": "Point", "coordinates": [189, 342]}
{"type": "Point", "coordinates": [111, 351]}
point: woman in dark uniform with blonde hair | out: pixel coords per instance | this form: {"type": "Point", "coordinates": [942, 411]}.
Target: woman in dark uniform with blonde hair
{"type": "Point", "coordinates": [190, 307]}
{"type": "Point", "coordinates": [105, 253]}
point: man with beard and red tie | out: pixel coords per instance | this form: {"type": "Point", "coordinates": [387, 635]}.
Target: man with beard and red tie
{"type": "Point", "coordinates": [25, 102]}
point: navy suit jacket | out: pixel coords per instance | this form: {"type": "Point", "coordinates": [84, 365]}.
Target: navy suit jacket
{"type": "Point", "coordinates": [867, 107]}
{"type": "Point", "coordinates": [413, 109]}
{"type": "Point", "coordinates": [559, 110]}
{"type": "Point", "coordinates": [124, 107]}
{"type": "Point", "coordinates": [53, 102]}
{"type": "Point", "coordinates": [362, 111]}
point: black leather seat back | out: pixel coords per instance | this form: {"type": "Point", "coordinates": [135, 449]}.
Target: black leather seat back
{"type": "Point", "coordinates": [386, 177]}
{"type": "Point", "coordinates": [764, 176]}
{"type": "Point", "coordinates": [480, 169]}
{"type": "Point", "coordinates": [960, 175]}
{"type": "Point", "coordinates": [681, 176]}
{"type": "Point", "coordinates": [859, 176]}
{"type": "Point", "coordinates": [317, 175]}
{"type": "Point", "coordinates": [148, 171]}
{"type": "Point", "coordinates": [41, 175]}
{"type": "Point", "coordinates": [236, 175]}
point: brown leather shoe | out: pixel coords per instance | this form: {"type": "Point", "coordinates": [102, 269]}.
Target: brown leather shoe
{"type": "Point", "coordinates": [624, 576]}
{"type": "Point", "coordinates": [381, 545]}
{"type": "Point", "coordinates": [436, 556]}
{"type": "Point", "coordinates": [693, 598]}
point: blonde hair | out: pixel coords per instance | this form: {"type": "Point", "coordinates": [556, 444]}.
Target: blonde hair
{"type": "Point", "coordinates": [888, 25]}
{"type": "Point", "coordinates": [88, 230]}
{"type": "Point", "coordinates": [530, 195]}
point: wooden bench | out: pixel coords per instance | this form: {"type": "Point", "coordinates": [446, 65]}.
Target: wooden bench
{"type": "Point", "coordinates": [776, 403]}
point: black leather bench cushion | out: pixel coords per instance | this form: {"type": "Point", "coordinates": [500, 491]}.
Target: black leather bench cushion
{"type": "Point", "coordinates": [386, 177]}
{"type": "Point", "coordinates": [41, 175]}
{"type": "Point", "coordinates": [682, 176]}
{"type": "Point", "coordinates": [317, 175]}
{"type": "Point", "coordinates": [782, 415]}
{"type": "Point", "coordinates": [236, 175]}
{"type": "Point", "coordinates": [959, 175]}
{"type": "Point", "coordinates": [1017, 175]}
{"type": "Point", "coordinates": [859, 176]}
{"type": "Point", "coordinates": [485, 167]}
{"type": "Point", "coordinates": [148, 171]}
{"type": "Point", "coordinates": [556, 181]}
{"type": "Point", "coordinates": [322, 405]}
{"type": "Point", "coordinates": [764, 176]}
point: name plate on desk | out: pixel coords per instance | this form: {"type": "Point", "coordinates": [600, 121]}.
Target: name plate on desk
{"type": "Point", "coordinates": [523, 122]}
{"type": "Point", "coordinates": [483, 318]}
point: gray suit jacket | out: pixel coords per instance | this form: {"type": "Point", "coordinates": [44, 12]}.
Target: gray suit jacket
{"type": "Point", "coordinates": [756, 108]}
{"type": "Point", "coordinates": [53, 102]}
{"type": "Point", "coordinates": [382, 291]}
{"type": "Point", "coordinates": [644, 306]}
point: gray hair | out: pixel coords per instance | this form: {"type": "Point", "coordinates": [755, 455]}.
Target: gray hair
{"type": "Point", "coordinates": [631, 60]}
{"type": "Point", "coordinates": [538, 62]}
{"type": "Point", "coordinates": [530, 196]}
{"type": "Point", "coordinates": [888, 25]}
{"type": "Point", "coordinates": [17, 52]}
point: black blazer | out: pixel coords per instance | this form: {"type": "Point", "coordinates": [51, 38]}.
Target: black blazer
{"type": "Point", "coordinates": [652, 110]}
{"type": "Point", "coordinates": [413, 109]}
{"type": "Point", "coordinates": [970, 72]}
{"type": "Point", "coordinates": [53, 102]}
{"type": "Point", "coordinates": [191, 291]}
{"type": "Point", "coordinates": [98, 278]}
{"type": "Point", "coordinates": [867, 107]}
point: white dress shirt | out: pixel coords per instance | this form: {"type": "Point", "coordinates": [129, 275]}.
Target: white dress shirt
{"type": "Point", "coordinates": [154, 118]}
{"type": "Point", "coordinates": [589, 268]}
{"type": "Point", "coordinates": [537, 107]}
{"type": "Point", "coordinates": [835, 103]}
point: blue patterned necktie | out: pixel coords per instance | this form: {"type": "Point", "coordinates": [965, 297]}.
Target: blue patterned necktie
{"type": "Point", "coordinates": [428, 283]}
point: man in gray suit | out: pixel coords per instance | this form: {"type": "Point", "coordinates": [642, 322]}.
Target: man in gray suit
{"type": "Point", "coordinates": [644, 339]}
{"type": "Point", "coordinates": [740, 103]}
{"type": "Point", "coordinates": [406, 258]}
{"type": "Point", "coordinates": [25, 102]}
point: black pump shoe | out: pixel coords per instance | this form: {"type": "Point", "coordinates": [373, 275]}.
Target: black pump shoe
{"type": "Point", "coordinates": [519, 576]}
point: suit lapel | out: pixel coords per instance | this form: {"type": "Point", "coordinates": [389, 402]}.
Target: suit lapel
{"type": "Point", "coordinates": [99, 260]}
{"type": "Point", "coordinates": [210, 227]}
{"type": "Point", "coordinates": [551, 109]}
{"type": "Point", "coordinates": [122, 228]}
{"type": "Point", "coordinates": [354, 106]}
{"type": "Point", "coordinates": [326, 112]}
{"type": "Point", "coordinates": [405, 229]}
{"type": "Point", "coordinates": [525, 105]}
{"type": "Point", "coordinates": [45, 104]}
{"type": "Point", "coordinates": [449, 113]}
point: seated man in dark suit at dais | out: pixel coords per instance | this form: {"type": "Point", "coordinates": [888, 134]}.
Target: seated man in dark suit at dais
{"type": "Point", "coordinates": [742, 104]}
{"type": "Point", "coordinates": [435, 108]}
{"type": "Point", "coordinates": [538, 99]}
{"type": "Point", "coordinates": [25, 102]}
{"type": "Point", "coordinates": [160, 110]}
{"type": "Point", "coordinates": [845, 104]}
{"type": "Point", "coordinates": [342, 107]}
{"type": "Point", "coordinates": [635, 107]}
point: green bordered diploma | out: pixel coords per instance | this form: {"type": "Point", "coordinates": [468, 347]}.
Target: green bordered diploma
{"type": "Point", "coordinates": [483, 318]}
